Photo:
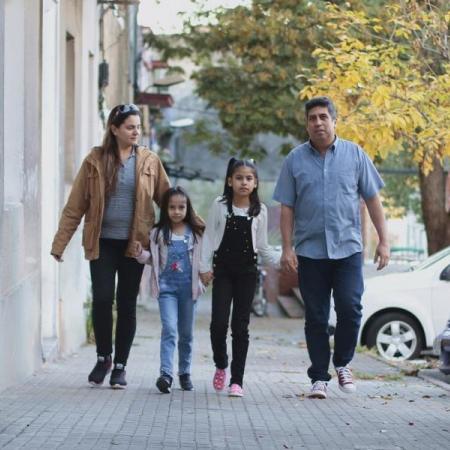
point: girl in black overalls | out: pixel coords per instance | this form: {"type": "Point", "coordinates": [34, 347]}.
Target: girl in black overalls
{"type": "Point", "coordinates": [236, 230]}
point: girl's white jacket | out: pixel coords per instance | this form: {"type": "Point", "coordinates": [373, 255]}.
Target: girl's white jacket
{"type": "Point", "coordinates": [215, 228]}
{"type": "Point", "coordinates": [157, 259]}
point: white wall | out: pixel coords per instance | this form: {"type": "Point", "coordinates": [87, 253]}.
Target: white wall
{"type": "Point", "coordinates": [2, 66]}
{"type": "Point", "coordinates": [14, 78]}
{"type": "Point", "coordinates": [20, 349]}
{"type": "Point", "coordinates": [49, 174]}
{"type": "Point", "coordinates": [78, 131]}
{"type": "Point", "coordinates": [42, 76]}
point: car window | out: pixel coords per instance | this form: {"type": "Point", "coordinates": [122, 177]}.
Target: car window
{"type": "Point", "coordinates": [432, 259]}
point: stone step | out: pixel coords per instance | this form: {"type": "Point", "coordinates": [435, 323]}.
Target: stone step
{"type": "Point", "coordinates": [291, 306]}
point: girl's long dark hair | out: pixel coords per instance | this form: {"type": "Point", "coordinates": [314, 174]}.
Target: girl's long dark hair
{"type": "Point", "coordinates": [227, 196]}
{"type": "Point", "coordinates": [109, 148]}
{"type": "Point", "coordinates": [164, 223]}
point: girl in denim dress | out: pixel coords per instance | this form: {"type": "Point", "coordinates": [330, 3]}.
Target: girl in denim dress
{"type": "Point", "coordinates": [174, 257]}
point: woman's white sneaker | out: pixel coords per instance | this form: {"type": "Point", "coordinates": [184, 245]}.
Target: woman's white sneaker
{"type": "Point", "coordinates": [318, 390]}
{"type": "Point", "coordinates": [345, 380]}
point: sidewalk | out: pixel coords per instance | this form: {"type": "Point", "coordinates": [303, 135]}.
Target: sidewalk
{"type": "Point", "coordinates": [57, 409]}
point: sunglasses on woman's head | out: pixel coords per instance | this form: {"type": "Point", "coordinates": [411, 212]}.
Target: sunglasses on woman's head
{"type": "Point", "coordinates": [124, 109]}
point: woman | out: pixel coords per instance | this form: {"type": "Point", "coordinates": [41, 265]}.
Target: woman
{"type": "Point", "coordinates": [114, 190]}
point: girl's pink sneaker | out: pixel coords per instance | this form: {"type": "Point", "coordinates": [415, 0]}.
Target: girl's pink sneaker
{"type": "Point", "coordinates": [219, 379]}
{"type": "Point", "coordinates": [235, 391]}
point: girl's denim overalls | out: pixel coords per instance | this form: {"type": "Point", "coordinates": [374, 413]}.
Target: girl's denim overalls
{"type": "Point", "coordinates": [176, 307]}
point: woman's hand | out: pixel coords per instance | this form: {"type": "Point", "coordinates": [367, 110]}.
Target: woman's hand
{"type": "Point", "coordinates": [57, 257]}
{"type": "Point", "coordinates": [136, 248]}
{"type": "Point", "coordinates": [206, 278]}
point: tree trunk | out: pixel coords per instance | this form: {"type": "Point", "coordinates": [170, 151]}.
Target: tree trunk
{"type": "Point", "coordinates": [435, 217]}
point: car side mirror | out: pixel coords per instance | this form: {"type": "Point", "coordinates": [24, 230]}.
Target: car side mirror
{"type": "Point", "coordinates": [445, 274]}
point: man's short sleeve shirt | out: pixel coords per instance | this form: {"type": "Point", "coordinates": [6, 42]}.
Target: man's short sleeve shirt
{"type": "Point", "coordinates": [325, 194]}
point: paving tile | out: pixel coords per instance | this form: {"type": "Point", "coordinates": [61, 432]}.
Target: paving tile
{"type": "Point", "coordinates": [56, 408]}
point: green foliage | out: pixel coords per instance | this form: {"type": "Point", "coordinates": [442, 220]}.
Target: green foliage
{"type": "Point", "coordinates": [90, 336]}
{"type": "Point", "coordinates": [248, 60]}
{"type": "Point", "coordinates": [402, 191]}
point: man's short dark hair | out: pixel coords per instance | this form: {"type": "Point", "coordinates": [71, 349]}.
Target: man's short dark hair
{"type": "Point", "coordinates": [321, 101]}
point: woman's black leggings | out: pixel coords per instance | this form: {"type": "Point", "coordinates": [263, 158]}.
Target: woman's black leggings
{"type": "Point", "coordinates": [112, 261]}
{"type": "Point", "coordinates": [232, 286]}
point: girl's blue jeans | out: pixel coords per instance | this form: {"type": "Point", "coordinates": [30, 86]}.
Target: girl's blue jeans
{"type": "Point", "coordinates": [177, 311]}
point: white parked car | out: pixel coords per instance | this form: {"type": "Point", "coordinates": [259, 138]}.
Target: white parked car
{"type": "Point", "coordinates": [404, 312]}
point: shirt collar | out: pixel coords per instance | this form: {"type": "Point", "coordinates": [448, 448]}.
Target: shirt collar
{"type": "Point", "coordinates": [132, 155]}
{"type": "Point", "coordinates": [332, 147]}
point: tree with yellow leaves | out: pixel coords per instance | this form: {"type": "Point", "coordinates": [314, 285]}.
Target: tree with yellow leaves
{"type": "Point", "coordinates": [390, 78]}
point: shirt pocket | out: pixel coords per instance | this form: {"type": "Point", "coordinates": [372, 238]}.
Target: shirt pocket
{"type": "Point", "coordinates": [305, 182]}
{"type": "Point", "coordinates": [345, 183]}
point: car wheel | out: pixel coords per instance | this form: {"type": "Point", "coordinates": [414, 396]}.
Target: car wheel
{"type": "Point", "coordinates": [396, 336]}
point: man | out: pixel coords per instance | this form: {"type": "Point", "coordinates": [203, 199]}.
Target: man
{"type": "Point", "coordinates": [319, 189]}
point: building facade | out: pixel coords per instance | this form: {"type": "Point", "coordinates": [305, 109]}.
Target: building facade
{"type": "Point", "coordinates": [51, 114]}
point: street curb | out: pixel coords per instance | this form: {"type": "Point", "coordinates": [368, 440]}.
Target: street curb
{"type": "Point", "coordinates": [433, 380]}
{"type": "Point", "coordinates": [420, 374]}
{"type": "Point", "coordinates": [384, 361]}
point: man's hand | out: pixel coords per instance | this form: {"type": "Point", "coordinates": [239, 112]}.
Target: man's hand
{"type": "Point", "coordinates": [376, 213]}
{"type": "Point", "coordinates": [206, 278]}
{"type": "Point", "coordinates": [289, 260]}
{"type": "Point", "coordinates": [382, 255]}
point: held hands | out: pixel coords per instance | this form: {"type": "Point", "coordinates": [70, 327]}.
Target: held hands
{"type": "Point", "coordinates": [382, 255]}
{"type": "Point", "coordinates": [136, 248]}
{"type": "Point", "coordinates": [206, 278]}
{"type": "Point", "coordinates": [289, 260]}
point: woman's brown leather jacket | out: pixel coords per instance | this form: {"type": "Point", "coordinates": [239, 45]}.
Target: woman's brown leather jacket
{"type": "Point", "coordinates": [87, 198]}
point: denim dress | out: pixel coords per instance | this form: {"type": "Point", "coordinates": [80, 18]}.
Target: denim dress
{"type": "Point", "coordinates": [176, 307]}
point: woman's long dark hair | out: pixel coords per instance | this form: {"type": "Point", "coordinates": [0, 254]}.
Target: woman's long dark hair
{"type": "Point", "coordinates": [110, 149]}
{"type": "Point", "coordinates": [227, 196]}
{"type": "Point", "coordinates": [164, 223]}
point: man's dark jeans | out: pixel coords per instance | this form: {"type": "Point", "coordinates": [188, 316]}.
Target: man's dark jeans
{"type": "Point", "coordinates": [317, 279]}
{"type": "Point", "coordinates": [112, 261]}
